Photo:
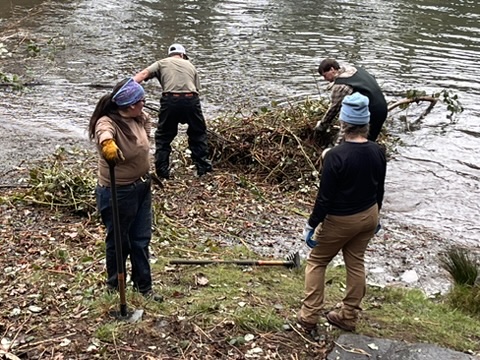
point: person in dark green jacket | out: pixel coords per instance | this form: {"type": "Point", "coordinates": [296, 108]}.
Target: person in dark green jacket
{"type": "Point", "coordinates": [345, 80]}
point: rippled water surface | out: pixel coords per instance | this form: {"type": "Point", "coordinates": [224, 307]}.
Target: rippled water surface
{"type": "Point", "coordinates": [252, 52]}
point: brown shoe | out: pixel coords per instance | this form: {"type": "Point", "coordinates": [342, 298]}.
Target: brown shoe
{"type": "Point", "coordinates": [339, 321]}
{"type": "Point", "coordinates": [309, 328]}
{"type": "Point", "coordinates": [305, 326]}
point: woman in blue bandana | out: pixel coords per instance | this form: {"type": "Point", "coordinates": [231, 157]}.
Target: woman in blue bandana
{"type": "Point", "coordinates": [121, 131]}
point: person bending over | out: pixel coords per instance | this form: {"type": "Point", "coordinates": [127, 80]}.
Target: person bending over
{"type": "Point", "coordinates": [179, 104]}
{"type": "Point", "coordinates": [345, 80]}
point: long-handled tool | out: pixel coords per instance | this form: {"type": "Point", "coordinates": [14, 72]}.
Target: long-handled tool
{"type": "Point", "coordinates": [123, 314]}
{"type": "Point", "coordinates": [149, 107]}
{"type": "Point", "coordinates": [291, 261]}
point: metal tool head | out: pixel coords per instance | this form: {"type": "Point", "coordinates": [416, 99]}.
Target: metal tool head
{"type": "Point", "coordinates": [293, 260]}
{"type": "Point", "coordinates": [131, 317]}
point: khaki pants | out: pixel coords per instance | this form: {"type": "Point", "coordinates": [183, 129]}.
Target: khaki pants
{"type": "Point", "coordinates": [350, 234]}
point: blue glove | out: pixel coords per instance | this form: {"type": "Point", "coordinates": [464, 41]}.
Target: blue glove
{"type": "Point", "coordinates": [308, 232]}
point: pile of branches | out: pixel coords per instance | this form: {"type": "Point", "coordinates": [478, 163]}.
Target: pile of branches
{"type": "Point", "coordinates": [66, 179]}
{"type": "Point", "coordinates": [279, 145]}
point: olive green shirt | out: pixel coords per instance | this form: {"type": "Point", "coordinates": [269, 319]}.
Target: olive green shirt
{"type": "Point", "coordinates": [175, 75]}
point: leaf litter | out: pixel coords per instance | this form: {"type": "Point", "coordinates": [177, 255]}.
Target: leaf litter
{"type": "Point", "coordinates": [258, 197]}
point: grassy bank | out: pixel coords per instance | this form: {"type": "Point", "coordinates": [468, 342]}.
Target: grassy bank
{"type": "Point", "coordinates": [54, 303]}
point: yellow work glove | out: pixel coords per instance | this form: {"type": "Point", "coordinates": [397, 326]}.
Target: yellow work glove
{"type": "Point", "coordinates": [111, 152]}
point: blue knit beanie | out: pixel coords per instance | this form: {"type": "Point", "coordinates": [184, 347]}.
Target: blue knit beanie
{"type": "Point", "coordinates": [355, 109]}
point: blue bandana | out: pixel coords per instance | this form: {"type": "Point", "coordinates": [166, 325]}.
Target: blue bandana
{"type": "Point", "coordinates": [130, 93]}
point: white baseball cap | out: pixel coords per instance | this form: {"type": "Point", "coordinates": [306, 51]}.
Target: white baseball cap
{"type": "Point", "coordinates": [177, 49]}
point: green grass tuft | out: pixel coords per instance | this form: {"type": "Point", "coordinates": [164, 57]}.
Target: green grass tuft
{"type": "Point", "coordinates": [466, 299]}
{"type": "Point", "coordinates": [462, 266]}
{"type": "Point", "coordinates": [258, 320]}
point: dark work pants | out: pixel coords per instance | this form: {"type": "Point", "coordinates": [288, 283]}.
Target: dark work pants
{"type": "Point", "coordinates": [181, 110]}
{"type": "Point", "coordinates": [135, 213]}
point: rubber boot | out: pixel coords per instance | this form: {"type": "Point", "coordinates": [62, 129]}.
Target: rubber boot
{"type": "Point", "coordinates": [162, 166]}
{"type": "Point", "coordinates": [163, 172]}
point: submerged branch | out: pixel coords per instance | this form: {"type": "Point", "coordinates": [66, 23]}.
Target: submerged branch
{"type": "Point", "coordinates": [416, 100]}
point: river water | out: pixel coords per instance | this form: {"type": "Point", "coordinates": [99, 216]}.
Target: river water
{"type": "Point", "coordinates": [251, 52]}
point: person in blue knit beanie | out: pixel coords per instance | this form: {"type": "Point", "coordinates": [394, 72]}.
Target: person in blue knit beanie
{"type": "Point", "coordinates": [344, 217]}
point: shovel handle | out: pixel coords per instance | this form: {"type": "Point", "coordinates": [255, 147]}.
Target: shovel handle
{"type": "Point", "coordinates": [118, 241]}
{"type": "Point", "coordinates": [293, 261]}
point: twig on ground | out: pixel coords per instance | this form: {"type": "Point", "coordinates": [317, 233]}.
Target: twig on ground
{"type": "Point", "coordinates": [303, 337]}
{"type": "Point", "coordinates": [31, 346]}
{"type": "Point", "coordinates": [352, 350]}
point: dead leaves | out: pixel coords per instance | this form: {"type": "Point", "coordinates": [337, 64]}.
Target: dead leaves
{"type": "Point", "coordinates": [201, 280]}
{"type": "Point", "coordinates": [54, 270]}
